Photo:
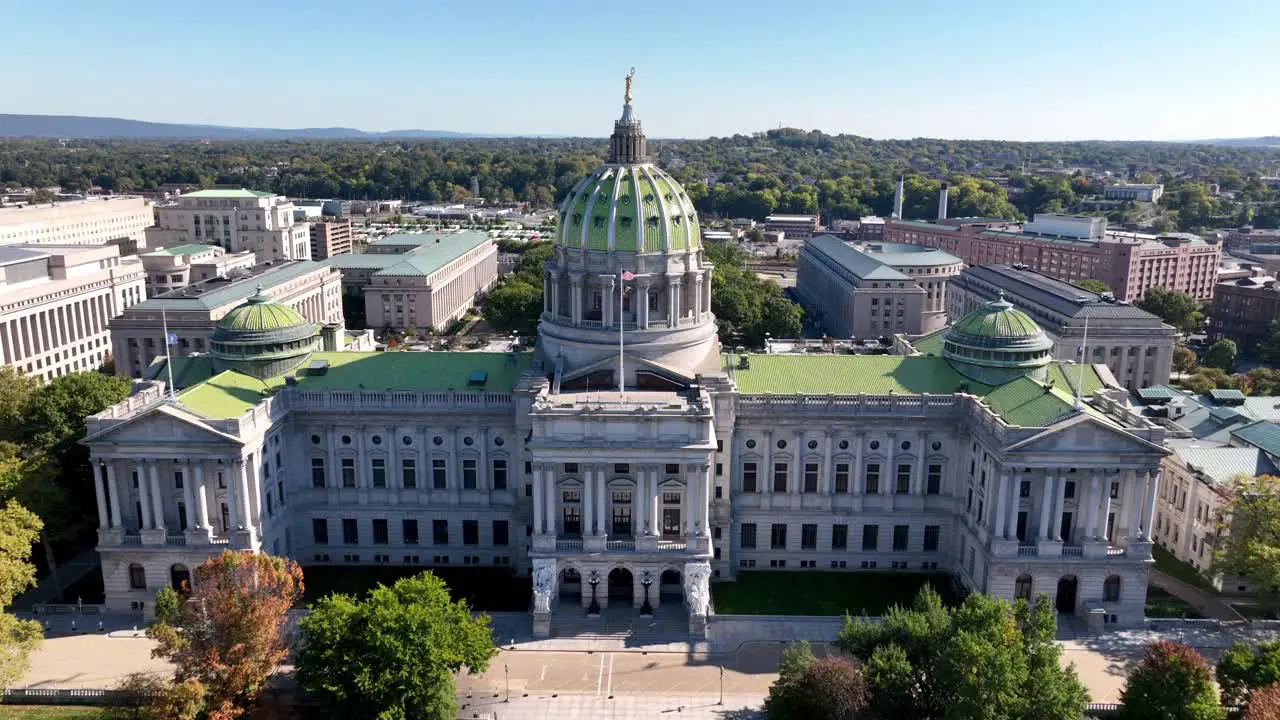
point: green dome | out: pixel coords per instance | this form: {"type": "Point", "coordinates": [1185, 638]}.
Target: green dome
{"type": "Point", "coordinates": [998, 319]}
{"type": "Point", "coordinates": [261, 313]}
{"type": "Point", "coordinates": [633, 208]}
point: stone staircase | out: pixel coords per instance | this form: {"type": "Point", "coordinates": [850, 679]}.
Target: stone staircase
{"type": "Point", "coordinates": [622, 625]}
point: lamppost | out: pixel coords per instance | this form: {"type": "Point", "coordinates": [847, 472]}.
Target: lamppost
{"type": "Point", "coordinates": [593, 609]}
{"type": "Point", "coordinates": [646, 610]}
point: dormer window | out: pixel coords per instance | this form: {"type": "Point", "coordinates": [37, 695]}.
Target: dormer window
{"type": "Point", "coordinates": [653, 221]}
{"type": "Point", "coordinates": [675, 219]}
{"type": "Point", "coordinates": [625, 199]}
{"type": "Point", "coordinates": [669, 197]}
{"type": "Point", "coordinates": [648, 198]}
{"type": "Point", "coordinates": [626, 221]}
{"type": "Point", "coordinates": [577, 219]}
{"type": "Point", "coordinates": [598, 221]}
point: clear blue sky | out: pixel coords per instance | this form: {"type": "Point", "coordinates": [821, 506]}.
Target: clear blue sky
{"type": "Point", "coordinates": [1018, 69]}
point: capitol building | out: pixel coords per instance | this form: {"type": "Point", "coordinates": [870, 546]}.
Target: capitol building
{"type": "Point", "coordinates": [630, 457]}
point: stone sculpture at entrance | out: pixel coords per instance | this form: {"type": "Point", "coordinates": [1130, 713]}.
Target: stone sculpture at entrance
{"type": "Point", "coordinates": [697, 590]}
{"type": "Point", "coordinates": [544, 584]}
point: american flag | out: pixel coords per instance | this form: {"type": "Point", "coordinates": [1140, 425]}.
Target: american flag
{"type": "Point", "coordinates": [628, 275]}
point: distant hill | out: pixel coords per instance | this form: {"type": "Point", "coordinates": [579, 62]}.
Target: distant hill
{"type": "Point", "coordinates": [1268, 141]}
{"type": "Point", "coordinates": [79, 127]}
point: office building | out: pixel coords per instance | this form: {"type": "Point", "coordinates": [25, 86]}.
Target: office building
{"type": "Point", "coordinates": [1134, 192]}
{"type": "Point", "coordinates": [663, 464]}
{"type": "Point", "coordinates": [312, 289]}
{"type": "Point", "coordinates": [177, 267]}
{"type": "Point", "coordinates": [797, 227]}
{"type": "Point", "coordinates": [56, 302]}
{"type": "Point", "coordinates": [1074, 248]}
{"type": "Point", "coordinates": [869, 290]}
{"type": "Point", "coordinates": [238, 220]}
{"type": "Point", "coordinates": [330, 237]}
{"type": "Point", "coordinates": [1134, 344]}
{"type": "Point", "coordinates": [92, 221]}
{"type": "Point", "coordinates": [1243, 309]}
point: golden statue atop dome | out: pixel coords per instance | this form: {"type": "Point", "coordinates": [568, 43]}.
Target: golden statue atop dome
{"type": "Point", "coordinates": [627, 96]}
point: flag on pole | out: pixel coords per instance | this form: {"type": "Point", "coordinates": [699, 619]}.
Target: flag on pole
{"type": "Point", "coordinates": [628, 275]}
{"type": "Point", "coordinates": [173, 338]}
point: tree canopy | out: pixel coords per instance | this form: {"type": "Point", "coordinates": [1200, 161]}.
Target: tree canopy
{"type": "Point", "coordinates": [1093, 285]}
{"type": "Point", "coordinates": [1173, 682]}
{"type": "Point", "coordinates": [1245, 668]}
{"type": "Point", "coordinates": [746, 307]}
{"type": "Point", "coordinates": [1177, 308]}
{"type": "Point", "coordinates": [392, 655]}
{"type": "Point", "coordinates": [984, 659]}
{"type": "Point", "coordinates": [1249, 541]}
{"type": "Point", "coordinates": [1222, 355]}
{"type": "Point", "coordinates": [831, 688]}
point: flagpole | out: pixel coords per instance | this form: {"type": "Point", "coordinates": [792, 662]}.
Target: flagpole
{"type": "Point", "coordinates": [1084, 356]}
{"type": "Point", "coordinates": [622, 274]}
{"type": "Point", "coordinates": [168, 360]}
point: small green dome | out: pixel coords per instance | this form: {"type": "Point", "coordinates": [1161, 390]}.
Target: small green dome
{"type": "Point", "coordinates": [997, 319]}
{"type": "Point", "coordinates": [261, 313]}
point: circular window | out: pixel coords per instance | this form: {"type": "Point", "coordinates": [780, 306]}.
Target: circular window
{"type": "Point", "coordinates": [906, 444]}
{"type": "Point", "coordinates": [937, 445]}
{"type": "Point", "coordinates": [377, 439]}
{"type": "Point", "coordinates": [782, 444]}
{"type": "Point", "coordinates": [875, 444]}
{"type": "Point", "coordinates": [499, 441]}
{"type": "Point", "coordinates": [315, 439]}
{"type": "Point", "coordinates": [751, 443]}
{"type": "Point", "coordinates": [346, 439]}
{"type": "Point", "coordinates": [813, 444]}
{"type": "Point", "coordinates": [844, 444]}
{"type": "Point", "coordinates": [437, 440]}
{"type": "Point", "coordinates": [467, 441]}
{"type": "Point", "coordinates": [407, 440]}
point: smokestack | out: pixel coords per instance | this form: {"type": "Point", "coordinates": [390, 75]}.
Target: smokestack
{"type": "Point", "coordinates": [897, 201]}
{"type": "Point", "coordinates": [942, 202]}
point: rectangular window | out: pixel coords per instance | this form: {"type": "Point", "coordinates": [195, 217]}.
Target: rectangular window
{"type": "Point", "coordinates": [440, 532]}
{"type": "Point", "coordinates": [839, 537]}
{"type": "Point", "coordinates": [379, 468]}
{"type": "Point", "coordinates": [469, 474]}
{"type": "Point", "coordinates": [1115, 490]}
{"type": "Point", "coordinates": [780, 477]}
{"type": "Point", "coordinates": [873, 478]}
{"type": "Point", "coordinates": [470, 532]}
{"type": "Point", "coordinates": [317, 472]}
{"type": "Point", "coordinates": [811, 477]}
{"type": "Point", "coordinates": [931, 535]}
{"type": "Point", "coordinates": [350, 531]}
{"type": "Point", "coordinates": [348, 472]}
{"type": "Point", "coordinates": [808, 537]}
{"type": "Point", "coordinates": [177, 479]}
{"type": "Point", "coordinates": [842, 477]}
{"type": "Point", "coordinates": [933, 484]}
{"type": "Point", "coordinates": [748, 477]}
{"type": "Point", "coordinates": [439, 474]}
{"type": "Point", "coordinates": [778, 536]}
{"type": "Point", "coordinates": [621, 469]}
{"type": "Point", "coordinates": [1069, 489]}
{"type": "Point", "coordinates": [380, 531]}
{"type": "Point", "coordinates": [904, 480]}
{"type": "Point", "coordinates": [409, 473]}
{"type": "Point", "coordinates": [572, 468]}
{"type": "Point", "coordinates": [900, 536]}
{"type": "Point", "coordinates": [748, 541]}
{"type": "Point", "coordinates": [409, 528]}
{"type": "Point", "coordinates": [870, 537]}
{"type": "Point", "coordinates": [1024, 489]}
{"type": "Point", "coordinates": [672, 469]}
{"type": "Point", "coordinates": [501, 535]}
{"type": "Point", "coordinates": [499, 474]}
{"type": "Point", "coordinates": [320, 531]}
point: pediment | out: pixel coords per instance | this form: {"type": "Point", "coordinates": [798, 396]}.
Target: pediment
{"type": "Point", "coordinates": [1084, 434]}
{"type": "Point", "coordinates": [163, 425]}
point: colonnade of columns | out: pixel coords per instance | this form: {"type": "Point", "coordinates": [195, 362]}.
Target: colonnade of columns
{"type": "Point", "coordinates": [646, 499]}
{"type": "Point", "coordinates": [244, 487]}
{"type": "Point", "coordinates": [1094, 503]}
{"type": "Point", "coordinates": [422, 452]}
{"type": "Point", "coordinates": [797, 452]}
{"type": "Point", "coordinates": [688, 298]}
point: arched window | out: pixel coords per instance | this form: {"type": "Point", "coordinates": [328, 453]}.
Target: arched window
{"type": "Point", "coordinates": [137, 577]}
{"type": "Point", "coordinates": [1111, 589]}
{"type": "Point", "coordinates": [1022, 588]}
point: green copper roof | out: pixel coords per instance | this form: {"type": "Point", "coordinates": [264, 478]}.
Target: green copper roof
{"type": "Point", "coordinates": [260, 313]}
{"type": "Point", "coordinates": [1027, 403]}
{"type": "Point", "coordinates": [230, 394]}
{"type": "Point", "coordinates": [631, 208]}
{"type": "Point", "coordinates": [227, 194]}
{"type": "Point", "coordinates": [997, 319]}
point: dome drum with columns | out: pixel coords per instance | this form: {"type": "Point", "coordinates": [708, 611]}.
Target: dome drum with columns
{"type": "Point", "coordinates": [630, 224]}
{"type": "Point", "coordinates": [262, 338]}
{"type": "Point", "coordinates": [997, 343]}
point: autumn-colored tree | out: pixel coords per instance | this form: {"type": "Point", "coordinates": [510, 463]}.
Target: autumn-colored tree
{"type": "Point", "coordinates": [230, 635]}
{"type": "Point", "coordinates": [1173, 682]}
{"type": "Point", "coordinates": [1264, 703]}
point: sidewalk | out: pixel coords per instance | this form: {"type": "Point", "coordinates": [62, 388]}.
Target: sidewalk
{"type": "Point", "coordinates": [69, 571]}
{"type": "Point", "coordinates": [1207, 602]}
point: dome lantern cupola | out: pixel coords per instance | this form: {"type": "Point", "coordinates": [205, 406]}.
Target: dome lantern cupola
{"type": "Point", "coordinates": [627, 144]}
{"type": "Point", "coordinates": [997, 343]}
{"type": "Point", "coordinates": [262, 338]}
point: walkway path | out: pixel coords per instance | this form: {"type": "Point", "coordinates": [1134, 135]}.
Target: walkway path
{"type": "Point", "coordinates": [69, 571]}
{"type": "Point", "coordinates": [1206, 601]}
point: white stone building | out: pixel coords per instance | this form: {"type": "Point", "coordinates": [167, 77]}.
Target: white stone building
{"type": "Point", "coordinates": [177, 267]}
{"type": "Point", "coordinates": [238, 220]}
{"type": "Point", "coordinates": [56, 303]}
{"type": "Point", "coordinates": [616, 475]}
{"type": "Point", "coordinates": [93, 221]}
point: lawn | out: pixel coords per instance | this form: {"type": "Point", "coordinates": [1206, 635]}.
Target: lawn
{"type": "Point", "coordinates": [50, 712]}
{"type": "Point", "coordinates": [484, 588]}
{"type": "Point", "coordinates": [1161, 604]}
{"type": "Point", "coordinates": [824, 593]}
{"type": "Point", "coordinates": [1179, 570]}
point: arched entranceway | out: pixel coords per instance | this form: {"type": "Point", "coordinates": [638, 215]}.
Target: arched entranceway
{"type": "Point", "coordinates": [670, 583]}
{"type": "Point", "coordinates": [621, 587]}
{"type": "Point", "coordinates": [570, 583]}
{"type": "Point", "coordinates": [1065, 602]}
{"type": "Point", "coordinates": [180, 578]}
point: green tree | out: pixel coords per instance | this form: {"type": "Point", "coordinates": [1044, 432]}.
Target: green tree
{"type": "Point", "coordinates": [1093, 285]}
{"type": "Point", "coordinates": [166, 605]}
{"type": "Point", "coordinates": [1174, 307]}
{"type": "Point", "coordinates": [57, 411]}
{"type": "Point", "coordinates": [514, 306]}
{"type": "Point", "coordinates": [41, 197]}
{"type": "Point", "coordinates": [1243, 669]}
{"type": "Point", "coordinates": [1269, 347]}
{"type": "Point", "coordinates": [1171, 683]}
{"type": "Point", "coordinates": [1222, 355]}
{"type": "Point", "coordinates": [983, 659]}
{"type": "Point", "coordinates": [19, 530]}
{"type": "Point", "coordinates": [392, 656]}
{"type": "Point", "coordinates": [1249, 537]}
{"type": "Point", "coordinates": [1184, 358]}
{"type": "Point", "coordinates": [15, 396]}
{"type": "Point", "coordinates": [831, 688]}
